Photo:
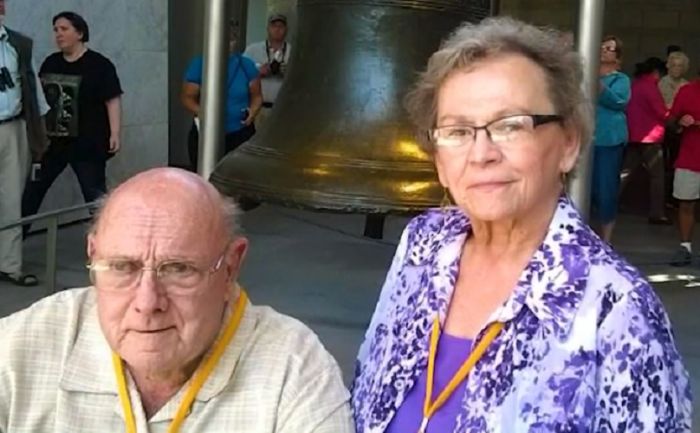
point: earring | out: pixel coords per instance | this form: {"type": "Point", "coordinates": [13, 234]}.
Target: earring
{"type": "Point", "coordinates": [446, 201]}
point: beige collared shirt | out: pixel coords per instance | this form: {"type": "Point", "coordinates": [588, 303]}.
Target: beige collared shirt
{"type": "Point", "coordinates": [669, 88]}
{"type": "Point", "coordinates": [56, 375]}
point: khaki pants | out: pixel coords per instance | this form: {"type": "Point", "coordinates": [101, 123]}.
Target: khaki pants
{"type": "Point", "coordinates": [15, 161]}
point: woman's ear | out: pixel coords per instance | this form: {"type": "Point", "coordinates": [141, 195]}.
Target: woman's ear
{"type": "Point", "coordinates": [571, 150]}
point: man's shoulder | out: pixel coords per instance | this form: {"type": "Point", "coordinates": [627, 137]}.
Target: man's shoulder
{"type": "Point", "coordinates": [280, 332]}
{"type": "Point", "coordinates": [44, 322]}
{"type": "Point", "coordinates": [260, 45]}
{"type": "Point", "coordinates": [18, 35]}
{"type": "Point", "coordinates": [256, 51]}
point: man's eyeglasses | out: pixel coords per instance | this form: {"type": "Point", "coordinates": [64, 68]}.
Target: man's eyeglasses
{"type": "Point", "coordinates": [124, 275]}
{"type": "Point", "coordinates": [504, 130]}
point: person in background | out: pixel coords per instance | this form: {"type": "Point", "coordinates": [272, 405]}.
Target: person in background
{"type": "Point", "coordinates": [165, 339]}
{"type": "Point", "coordinates": [272, 58]}
{"type": "Point", "coordinates": [610, 137]}
{"type": "Point", "coordinates": [686, 184]}
{"type": "Point", "coordinates": [669, 85]}
{"type": "Point", "coordinates": [670, 50]}
{"type": "Point", "coordinates": [243, 99]}
{"type": "Point", "coordinates": [677, 65]}
{"type": "Point", "coordinates": [84, 123]}
{"type": "Point", "coordinates": [505, 312]}
{"type": "Point", "coordinates": [646, 121]}
{"type": "Point", "coordinates": [22, 140]}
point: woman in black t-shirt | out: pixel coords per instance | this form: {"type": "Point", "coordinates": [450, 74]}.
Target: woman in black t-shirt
{"type": "Point", "coordinates": [84, 93]}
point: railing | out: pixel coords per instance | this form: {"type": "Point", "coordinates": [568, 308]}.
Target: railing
{"type": "Point", "coordinates": [51, 236]}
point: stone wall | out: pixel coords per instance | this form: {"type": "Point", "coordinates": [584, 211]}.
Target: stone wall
{"type": "Point", "coordinates": [133, 34]}
{"type": "Point", "coordinates": [646, 27]}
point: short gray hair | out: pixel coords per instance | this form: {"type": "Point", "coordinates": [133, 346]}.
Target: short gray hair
{"type": "Point", "coordinates": [229, 207]}
{"type": "Point", "coordinates": [474, 43]}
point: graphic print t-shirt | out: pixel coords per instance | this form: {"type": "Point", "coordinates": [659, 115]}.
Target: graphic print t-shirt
{"type": "Point", "coordinates": [76, 93]}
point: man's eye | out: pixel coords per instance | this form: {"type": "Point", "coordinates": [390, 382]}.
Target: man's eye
{"type": "Point", "coordinates": [123, 267]}
{"type": "Point", "coordinates": [177, 269]}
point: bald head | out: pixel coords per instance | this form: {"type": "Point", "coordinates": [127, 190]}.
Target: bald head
{"type": "Point", "coordinates": [174, 223]}
{"type": "Point", "coordinates": [170, 191]}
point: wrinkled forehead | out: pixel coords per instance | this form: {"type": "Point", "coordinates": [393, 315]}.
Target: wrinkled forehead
{"type": "Point", "coordinates": [139, 229]}
{"type": "Point", "coordinates": [500, 86]}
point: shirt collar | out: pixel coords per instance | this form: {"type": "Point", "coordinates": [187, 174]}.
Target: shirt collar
{"type": "Point", "coordinates": [89, 365]}
{"type": "Point", "coordinates": [3, 33]}
{"type": "Point", "coordinates": [552, 284]}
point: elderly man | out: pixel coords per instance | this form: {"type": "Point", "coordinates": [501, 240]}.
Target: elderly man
{"type": "Point", "coordinates": [165, 340]}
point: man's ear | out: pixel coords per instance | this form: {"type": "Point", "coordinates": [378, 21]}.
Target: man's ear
{"type": "Point", "coordinates": [90, 245]}
{"type": "Point", "coordinates": [235, 255]}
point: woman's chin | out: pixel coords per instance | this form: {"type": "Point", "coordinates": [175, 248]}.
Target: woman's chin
{"type": "Point", "coordinates": [492, 212]}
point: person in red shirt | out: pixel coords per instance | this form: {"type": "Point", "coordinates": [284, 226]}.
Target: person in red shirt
{"type": "Point", "coordinates": [646, 120]}
{"type": "Point", "coordinates": [686, 185]}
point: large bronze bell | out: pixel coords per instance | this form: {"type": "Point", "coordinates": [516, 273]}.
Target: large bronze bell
{"type": "Point", "coordinates": [339, 138]}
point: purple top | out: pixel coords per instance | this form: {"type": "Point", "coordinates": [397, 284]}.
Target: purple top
{"type": "Point", "coordinates": [451, 354]}
{"type": "Point", "coordinates": [582, 328]}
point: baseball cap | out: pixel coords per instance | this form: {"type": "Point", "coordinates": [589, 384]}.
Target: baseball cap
{"type": "Point", "coordinates": [277, 17]}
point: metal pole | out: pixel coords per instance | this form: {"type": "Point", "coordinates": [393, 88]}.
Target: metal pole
{"type": "Point", "coordinates": [495, 7]}
{"type": "Point", "coordinates": [51, 251]}
{"type": "Point", "coordinates": [590, 34]}
{"type": "Point", "coordinates": [212, 108]}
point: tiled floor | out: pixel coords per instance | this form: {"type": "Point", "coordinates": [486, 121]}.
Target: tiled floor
{"type": "Point", "coordinates": [302, 265]}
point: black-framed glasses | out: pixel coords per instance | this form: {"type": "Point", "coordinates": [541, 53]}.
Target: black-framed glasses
{"type": "Point", "coordinates": [119, 275]}
{"type": "Point", "coordinates": [504, 130]}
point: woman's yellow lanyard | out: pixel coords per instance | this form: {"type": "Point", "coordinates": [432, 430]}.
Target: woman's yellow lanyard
{"type": "Point", "coordinates": [429, 408]}
{"type": "Point", "coordinates": [198, 381]}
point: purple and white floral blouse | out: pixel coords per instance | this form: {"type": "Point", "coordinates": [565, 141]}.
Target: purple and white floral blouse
{"type": "Point", "coordinates": [587, 345]}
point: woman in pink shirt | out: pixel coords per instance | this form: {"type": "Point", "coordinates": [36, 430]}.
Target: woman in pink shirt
{"type": "Point", "coordinates": [646, 120]}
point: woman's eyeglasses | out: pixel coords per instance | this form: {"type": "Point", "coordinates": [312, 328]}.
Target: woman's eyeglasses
{"type": "Point", "coordinates": [504, 130]}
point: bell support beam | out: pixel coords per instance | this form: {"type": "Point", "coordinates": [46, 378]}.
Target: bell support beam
{"type": "Point", "coordinates": [590, 34]}
{"type": "Point", "coordinates": [212, 115]}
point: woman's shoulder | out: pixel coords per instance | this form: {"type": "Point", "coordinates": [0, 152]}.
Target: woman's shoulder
{"type": "Point", "coordinates": [621, 77]}
{"type": "Point", "coordinates": [99, 59]}
{"type": "Point", "coordinates": [247, 61]}
{"type": "Point", "coordinates": [437, 220]}
{"type": "Point", "coordinates": [52, 59]}
{"type": "Point", "coordinates": [432, 228]}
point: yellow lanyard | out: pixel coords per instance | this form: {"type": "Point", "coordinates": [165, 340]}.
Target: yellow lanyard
{"type": "Point", "coordinates": [429, 408]}
{"type": "Point", "coordinates": [197, 382]}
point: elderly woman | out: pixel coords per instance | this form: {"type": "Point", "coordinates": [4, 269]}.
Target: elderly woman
{"type": "Point", "coordinates": [610, 136]}
{"type": "Point", "coordinates": [506, 313]}
{"type": "Point", "coordinates": [669, 85]}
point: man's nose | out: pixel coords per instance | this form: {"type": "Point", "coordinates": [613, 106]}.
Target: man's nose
{"type": "Point", "coordinates": [149, 295]}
